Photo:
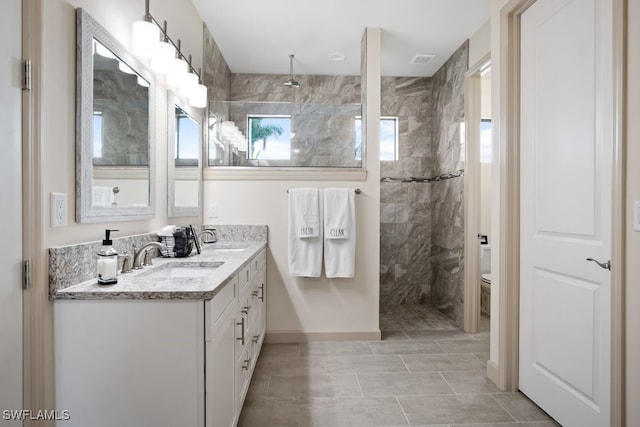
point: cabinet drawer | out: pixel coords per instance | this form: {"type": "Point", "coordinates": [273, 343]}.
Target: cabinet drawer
{"type": "Point", "coordinates": [258, 262]}
{"type": "Point", "coordinates": [219, 304]}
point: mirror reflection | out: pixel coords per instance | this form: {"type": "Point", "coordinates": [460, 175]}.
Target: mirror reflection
{"type": "Point", "coordinates": [114, 129]}
{"type": "Point", "coordinates": [283, 134]}
{"type": "Point", "coordinates": [185, 172]}
{"type": "Point", "coordinates": [120, 132]}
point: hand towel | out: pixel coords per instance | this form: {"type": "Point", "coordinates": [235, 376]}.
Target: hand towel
{"type": "Point", "coordinates": [339, 232]}
{"type": "Point", "coordinates": [305, 232]}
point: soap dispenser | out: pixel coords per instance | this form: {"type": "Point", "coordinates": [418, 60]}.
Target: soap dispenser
{"type": "Point", "coordinates": [107, 261]}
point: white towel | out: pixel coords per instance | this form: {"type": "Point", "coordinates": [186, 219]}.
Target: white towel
{"type": "Point", "coordinates": [305, 232]}
{"type": "Point", "coordinates": [339, 232]}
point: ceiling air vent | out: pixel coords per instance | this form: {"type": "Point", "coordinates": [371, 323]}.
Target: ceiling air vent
{"type": "Point", "coordinates": [422, 59]}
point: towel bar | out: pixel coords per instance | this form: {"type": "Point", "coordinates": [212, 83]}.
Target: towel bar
{"type": "Point", "coordinates": [357, 191]}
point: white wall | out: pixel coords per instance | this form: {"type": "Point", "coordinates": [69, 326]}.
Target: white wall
{"type": "Point", "coordinates": [58, 96]}
{"type": "Point", "coordinates": [303, 308]}
{"type": "Point", "coordinates": [58, 80]}
{"type": "Point", "coordinates": [633, 237]}
{"type": "Point", "coordinates": [480, 44]}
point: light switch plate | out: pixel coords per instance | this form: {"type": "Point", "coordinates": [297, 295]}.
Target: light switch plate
{"type": "Point", "coordinates": [636, 215]}
{"type": "Point", "coordinates": [213, 210]}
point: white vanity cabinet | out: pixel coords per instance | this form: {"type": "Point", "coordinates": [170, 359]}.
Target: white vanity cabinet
{"type": "Point", "coordinates": [233, 349]}
{"type": "Point", "coordinates": [161, 362]}
{"type": "Point", "coordinates": [129, 362]}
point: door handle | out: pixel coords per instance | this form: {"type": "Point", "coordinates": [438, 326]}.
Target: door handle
{"type": "Point", "coordinates": [605, 265]}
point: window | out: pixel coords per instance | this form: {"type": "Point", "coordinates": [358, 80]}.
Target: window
{"type": "Point", "coordinates": [269, 137]}
{"type": "Point", "coordinates": [388, 138]}
{"type": "Point", "coordinates": [97, 135]}
{"type": "Point", "coordinates": [187, 139]}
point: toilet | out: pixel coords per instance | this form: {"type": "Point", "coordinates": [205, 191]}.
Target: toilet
{"type": "Point", "coordinates": [485, 279]}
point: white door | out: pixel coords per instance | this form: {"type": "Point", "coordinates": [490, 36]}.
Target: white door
{"type": "Point", "coordinates": [11, 214]}
{"type": "Point", "coordinates": [565, 207]}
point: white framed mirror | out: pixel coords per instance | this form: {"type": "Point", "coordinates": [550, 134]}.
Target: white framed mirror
{"type": "Point", "coordinates": [185, 136]}
{"type": "Point", "coordinates": [115, 123]}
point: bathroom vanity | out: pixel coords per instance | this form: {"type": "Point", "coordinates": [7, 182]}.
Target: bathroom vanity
{"type": "Point", "coordinates": [173, 344]}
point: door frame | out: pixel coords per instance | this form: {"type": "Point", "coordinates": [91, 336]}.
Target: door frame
{"type": "Point", "coordinates": [509, 253]}
{"type": "Point", "coordinates": [472, 196]}
{"type": "Point", "coordinates": [37, 337]}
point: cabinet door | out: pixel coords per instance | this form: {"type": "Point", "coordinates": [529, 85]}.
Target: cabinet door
{"type": "Point", "coordinates": [243, 375]}
{"type": "Point", "coordinates": [220, 383]}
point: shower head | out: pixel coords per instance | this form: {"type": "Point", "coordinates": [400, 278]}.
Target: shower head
{"type": "Point", "coordinates": [292, 83]}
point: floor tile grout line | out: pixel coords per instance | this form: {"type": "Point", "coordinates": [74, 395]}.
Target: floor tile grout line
{"type": "Point", "coordinates": [504, 408]}
{"type": "Point", "coordinates": [359, 385]}
{"type": "Point", "coordinates": [406, 417]}
{"type": "Point", "coordinates": [445, 380]}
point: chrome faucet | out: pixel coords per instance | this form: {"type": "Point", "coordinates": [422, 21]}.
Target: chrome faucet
{"type": "Point", "coordinates": [211, 233]}
{"type": "Point", "coordinates": [140, 254]}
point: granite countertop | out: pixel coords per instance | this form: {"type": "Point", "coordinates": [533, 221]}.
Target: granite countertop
{"type": "Point", "coordinates": [146, 284]}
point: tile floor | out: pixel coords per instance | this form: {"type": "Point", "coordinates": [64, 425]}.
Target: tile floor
{"type": "Point", "coordinates": [424, 372]}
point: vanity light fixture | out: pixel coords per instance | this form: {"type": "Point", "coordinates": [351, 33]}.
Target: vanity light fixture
{"type": "Point", "coordinates": [291, 82]}
{"type": "Point", "coordinates": [151, 41]}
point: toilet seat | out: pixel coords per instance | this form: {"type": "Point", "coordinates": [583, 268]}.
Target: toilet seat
{"type": "Point", "coordinates": [486, 278]}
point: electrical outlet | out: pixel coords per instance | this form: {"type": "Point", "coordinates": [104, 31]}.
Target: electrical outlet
{"type": "Point", "coordinates": [58, 209]}
{"type": "Point", "coordinates": [213, 210]}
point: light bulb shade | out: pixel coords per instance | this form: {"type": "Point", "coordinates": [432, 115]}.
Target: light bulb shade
{"type": "Point", "coordinates": [125, 68]}
{"type": "Point", "coordinates": [142, 82]}
{"type": "Point", "coordinates": [145, 39]}
{"type": "Point", "coordinates": [187, 85]}
{"type": "Point", "coordinates": [177, 73]}
{"type": "Point", "coordinates": [103, 51]}
{"type": "Point", "coordinates": [198, 97]}
{"type": "Point", "coordinates": [162, 62]}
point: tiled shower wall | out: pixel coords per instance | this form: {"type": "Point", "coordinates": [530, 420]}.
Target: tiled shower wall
{"type": "Point", "coordinates": [405, 210]}
{"type": "Point", "coordinates": [422, 228]}
{"type": "Point", "coordinates": [447, 238]}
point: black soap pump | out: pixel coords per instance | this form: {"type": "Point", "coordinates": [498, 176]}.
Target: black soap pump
{"type": "Point", "coordinates": [107, 261]}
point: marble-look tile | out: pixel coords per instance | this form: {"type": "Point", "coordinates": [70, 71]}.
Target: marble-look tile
{"type": "Point", "coordinates": [442, 362]}
{"type": "Point", "coordinates": [360, 412]}
{"type": "Point", "coordinates": [328, 348]}
{"type": "Point", "coordinates": [430, 324]}
{"type": "Point", "coordinates": [289, 366]}
{"type": "Point", "coordinates": [405, 347]}
{"type": "Point", "coordinates": [403, 384]}
{"type": "Point", "coordinates": [279, 350]}
{"type": "Point", "coordinates": [465, 346]}
{"type": "Point", "coordinates": [393, 192]}
{"type": "Point", "coordinates": [451, 333]}
{"type": "Point", "coordinates": [272, 413]}
{"type": "Point", "coordinates": [258, 388]}
{"type": "Point", "coordinates": [313, 386]}
{"type": "Point", "coordinates": [534, 424]}
{"type": "Point", "coordinates": [453, 409]}
{"type": "Point", "coordinates": [364, 364]}
{"type": "Point", "coordinates": [521, 408]}
{"type": "Point", "coordinates": [483, 357]}
{"type": "Point", "coordinates": [387, 335]}
{"type": "Point", "coordinates": [470, 382]}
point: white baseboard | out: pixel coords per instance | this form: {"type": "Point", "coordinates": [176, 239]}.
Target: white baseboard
{"type": "Point", "coordinates": [285, 337]}
{"type": "Point", "coordinates": [493, 374]}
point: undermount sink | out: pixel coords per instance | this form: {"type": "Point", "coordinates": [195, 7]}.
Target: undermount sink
{"type": "Point", "coordinates": [175, 270]}
{"type": "Point", "coordinates": [229, 247]}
